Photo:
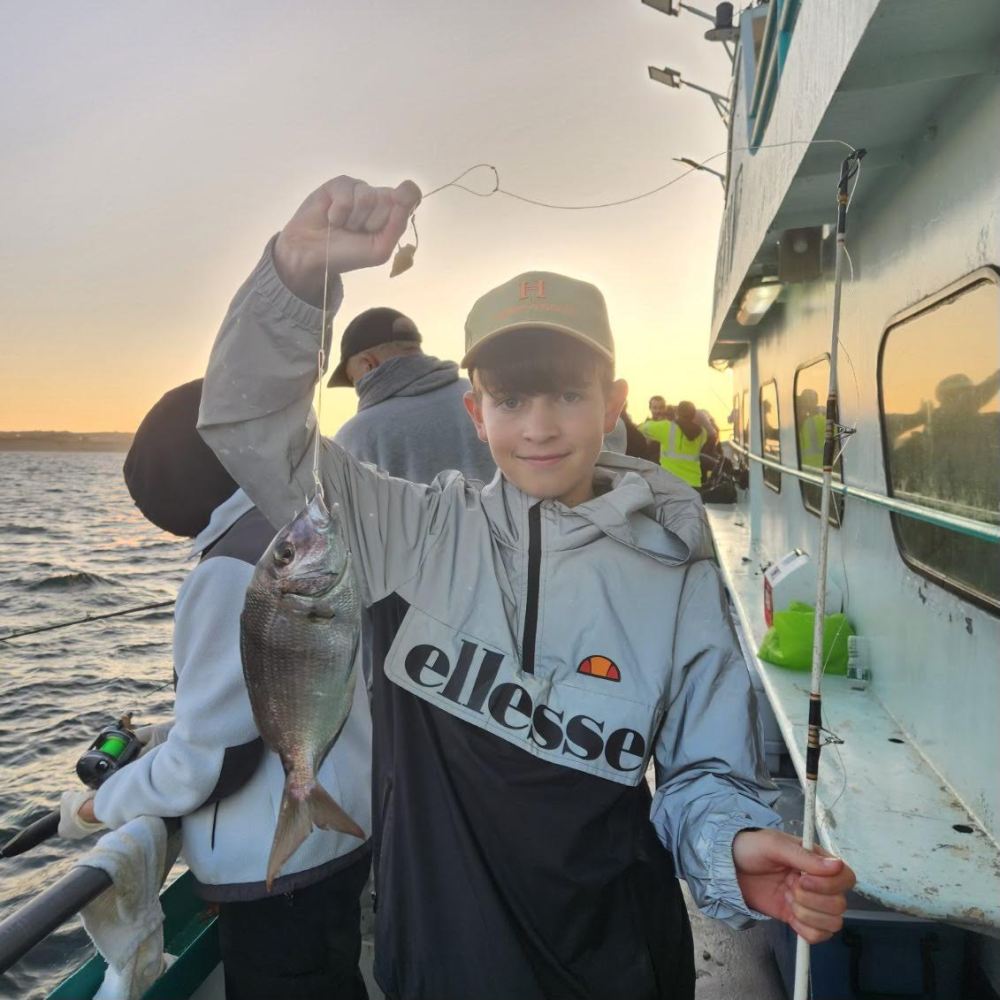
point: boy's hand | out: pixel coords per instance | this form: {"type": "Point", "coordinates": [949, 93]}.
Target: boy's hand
{"type": "Point", "coordinates": [778, 877]}
{"type": "Point", "coordinates": [365, 223]}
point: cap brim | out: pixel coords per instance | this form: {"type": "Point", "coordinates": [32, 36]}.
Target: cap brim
{"type": "Point", "coordinates": [554, 327]}
{"type": "Point", "coordinates": [339, 377]}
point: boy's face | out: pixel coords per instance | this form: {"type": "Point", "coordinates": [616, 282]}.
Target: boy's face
{"type": "Point", "coordinates": [547, 444]}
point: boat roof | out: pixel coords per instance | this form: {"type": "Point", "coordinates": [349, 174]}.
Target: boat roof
{"type": "Point", "coordinates": [872, 73]}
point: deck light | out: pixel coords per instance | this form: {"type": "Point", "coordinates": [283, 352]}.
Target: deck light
{"type": "Point", "coordinates": [667, 76]}
{"type": "Point", "coordinates": [672, 78]}
{"type": "Point", "coordinates": [674, 8]}
{"type": "Point", "coordinates": [695, 165]}
{"type": "Point", "coordinates": [757, 301]}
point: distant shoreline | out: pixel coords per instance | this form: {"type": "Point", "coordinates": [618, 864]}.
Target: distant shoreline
{"type": "Point", "coordinates": [64, 441]}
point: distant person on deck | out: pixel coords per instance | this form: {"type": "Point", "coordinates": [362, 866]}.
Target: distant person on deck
{"type": "Point", "coordinates": [681, 441]}
{"type": "Point", "coordinates": [658, 408]}
{"type": "Point", "coordinates": [302, 941]}
{"type": "Point", "coordinates": [411, 421]}
{"type": "Point", "coordinates": [711, 450]}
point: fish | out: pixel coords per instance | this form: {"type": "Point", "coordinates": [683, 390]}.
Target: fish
{"type": "Point", "coordinates": [299, 633]}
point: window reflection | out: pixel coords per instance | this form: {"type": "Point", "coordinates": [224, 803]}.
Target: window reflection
{"type": "Point", "coordinates": [940, 377]}
{"type": "Point", "coordinates": [812, 383]}
{"type": "Point", "coordinates": [769, 432]}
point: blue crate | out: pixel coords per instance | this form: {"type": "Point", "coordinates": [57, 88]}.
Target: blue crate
{"type": "Point", "coordinates": [878, 954]}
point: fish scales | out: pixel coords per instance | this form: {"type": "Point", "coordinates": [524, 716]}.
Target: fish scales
{"type": "Point", "coordinates": [298, 636]}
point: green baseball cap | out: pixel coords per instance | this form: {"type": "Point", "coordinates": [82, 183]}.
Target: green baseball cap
{"type": "Point", "coordinates": [540, 300]}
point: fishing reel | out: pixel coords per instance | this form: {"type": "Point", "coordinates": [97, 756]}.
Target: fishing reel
{"type": "Point", "coordinates": [115, 746]}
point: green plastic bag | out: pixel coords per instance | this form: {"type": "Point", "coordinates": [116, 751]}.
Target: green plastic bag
{"type": "Point", "coordinates": [788, 642]}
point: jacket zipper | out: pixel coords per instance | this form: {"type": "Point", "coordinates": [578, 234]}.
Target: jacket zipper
{"type": "Point", "coordinates": [534, 570]}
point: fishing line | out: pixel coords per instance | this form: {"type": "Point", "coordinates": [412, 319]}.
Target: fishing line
{"type": "Point", "coordinates": [82, 621]}
{"type": "Point", "coordinates": [498, 189]}
{"type": "Point", "coordinates": [404, 254]}
{"type": "Point", "coordinates": [321, 367]}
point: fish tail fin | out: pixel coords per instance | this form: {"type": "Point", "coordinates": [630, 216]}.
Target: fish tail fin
{"type": "Point", "coordinates": [294, 825]}
{"type": "Point", "coordinates": [296, 820]}
{"type": "Point", "coordinates": [328, 815]}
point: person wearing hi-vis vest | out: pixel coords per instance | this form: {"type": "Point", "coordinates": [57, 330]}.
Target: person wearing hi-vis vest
{"type": "Point", "coordinates": [812, 429]}
{"type": "Point", "coordinates": [681, 441]}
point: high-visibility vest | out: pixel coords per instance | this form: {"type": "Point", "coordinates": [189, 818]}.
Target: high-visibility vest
{"type": "Point", "coordinates": [678, 454]}
{"type": "Point", "coordinates": [812, 435]}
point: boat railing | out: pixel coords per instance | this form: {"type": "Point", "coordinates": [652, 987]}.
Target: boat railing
{"type": "Point", "coordinates": [942, 519]}
{"type": "Point", "coordinates": [49, 910]}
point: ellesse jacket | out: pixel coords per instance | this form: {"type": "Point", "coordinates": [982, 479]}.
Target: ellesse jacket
{"type": "Point", "coordinates": [531, 661]}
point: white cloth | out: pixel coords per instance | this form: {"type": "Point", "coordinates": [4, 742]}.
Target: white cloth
{"type": "Point", "coordinates": [126, 922]}
{"type": "Point", "coordinates": [71, 826]}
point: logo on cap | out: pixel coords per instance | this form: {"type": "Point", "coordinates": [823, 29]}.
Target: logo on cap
{"type": "Point", "coordinates": [600, 666]}
{"type": "Point", "coordinates": [532, 289]}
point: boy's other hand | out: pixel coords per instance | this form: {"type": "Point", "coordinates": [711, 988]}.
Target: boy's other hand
{"type": "Point", "coordinates": [364, 223]}
{"type": "Point", "coordinates": [805, 889]}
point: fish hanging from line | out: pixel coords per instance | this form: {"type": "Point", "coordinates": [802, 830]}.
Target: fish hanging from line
{"type": "Point", "coordinates": [298, 638]}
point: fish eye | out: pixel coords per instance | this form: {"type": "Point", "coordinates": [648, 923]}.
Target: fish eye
{"type": "Point", "coordinates": [284, 554]}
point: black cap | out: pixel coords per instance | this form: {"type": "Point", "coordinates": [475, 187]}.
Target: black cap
{"type": "Point", "coordinates": [380, 325]}
{"type": "Point", "coordinates": [173, 476]}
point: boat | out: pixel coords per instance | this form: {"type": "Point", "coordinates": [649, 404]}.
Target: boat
{"type": "Point", "coordinates": [907, 792]}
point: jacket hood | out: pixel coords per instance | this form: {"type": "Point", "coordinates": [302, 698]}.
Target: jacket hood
{"type": "Point", "coordinates": [633, 498]}
{"type": "Point", "coordinates": [405, 375]}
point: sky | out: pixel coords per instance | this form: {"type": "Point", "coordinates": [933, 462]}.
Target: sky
{"type": "Point", "coordinates": [152, 148]}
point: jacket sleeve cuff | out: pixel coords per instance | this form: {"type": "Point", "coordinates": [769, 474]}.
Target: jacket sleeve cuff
{"type": "Point", "coordinates": [723, 898]}
{"type": "Point", "coordinates": [271, 288]}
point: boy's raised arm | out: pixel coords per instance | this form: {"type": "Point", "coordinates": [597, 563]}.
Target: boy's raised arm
{"type": "Point", "coordinates": [257, 397]}
{"type": "Point", "coordinates": [711, 776]}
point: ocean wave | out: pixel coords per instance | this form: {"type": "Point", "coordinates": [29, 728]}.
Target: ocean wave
{"type": "Point", "coordinates": [23, 529]}
{"type": "Point", "coordinates": [72, 581]}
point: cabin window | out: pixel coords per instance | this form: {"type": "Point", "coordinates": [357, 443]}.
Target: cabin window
{"type": "Point", "coordinates": [812, 384]}
{"type": "Point", "coordinates": [939, 381]}
{"type": "Point", "coordinates": [770, 439]}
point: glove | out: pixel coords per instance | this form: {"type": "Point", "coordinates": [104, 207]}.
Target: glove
{"type": "Point", "coordinates": [153, 736]}
{"type": "Point", "coordinates": [71, 827]}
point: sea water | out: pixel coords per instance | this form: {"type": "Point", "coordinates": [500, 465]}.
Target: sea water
{"type": "Point", "coordinates": [72, 543]}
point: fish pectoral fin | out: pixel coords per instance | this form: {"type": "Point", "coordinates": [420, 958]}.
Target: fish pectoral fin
{"type": "Point", "coordinates": [294, 825]}
{"type": "Point", "coordinates": [328, 815]}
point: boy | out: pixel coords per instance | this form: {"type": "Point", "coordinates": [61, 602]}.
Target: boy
{"type": "Point", "coordinates": [561, 627]}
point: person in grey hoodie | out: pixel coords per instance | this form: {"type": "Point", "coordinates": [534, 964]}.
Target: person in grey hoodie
{"type": "Point", "coordinates": [301, 940]}
{"type": "Point", "coordinates": [410, 421]}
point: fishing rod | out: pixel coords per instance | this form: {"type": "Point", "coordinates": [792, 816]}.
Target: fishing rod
{"type": "Point", "coordinates": [82, 621]}
{"type": "Point", "coordinates": [848, 169]}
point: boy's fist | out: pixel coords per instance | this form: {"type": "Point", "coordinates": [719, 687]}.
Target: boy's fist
{"type": "Point", "coordinates": [364, 224]}
{"type": "Point", "coordinates": [805, 889]}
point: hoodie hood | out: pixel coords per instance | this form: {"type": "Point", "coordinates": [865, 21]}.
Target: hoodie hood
{"type": "Point", "coordinates": [636, 487]}
{"type": "Point", "coordinates": [405, 375]}
{"type": "Point", "coordinates": [637, 504]}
